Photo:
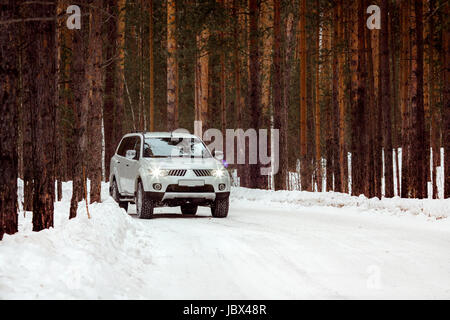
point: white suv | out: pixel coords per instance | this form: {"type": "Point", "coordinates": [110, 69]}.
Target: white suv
{"type": "Point", "coordinates": [168, 169]}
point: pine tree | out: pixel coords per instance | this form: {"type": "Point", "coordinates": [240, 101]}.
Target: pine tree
{"type": "Point", "coordinates": [9, 75]}
{"type": "Point", "coordinates": [171, 66]}
{"type": "Point", "coordinates": [41, 56]}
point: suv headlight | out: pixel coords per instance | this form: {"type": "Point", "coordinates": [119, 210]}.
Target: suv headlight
{"type": "Point", "coordinates": [158, 173]}
{"type": "Point", "coordinates": [218, 173]}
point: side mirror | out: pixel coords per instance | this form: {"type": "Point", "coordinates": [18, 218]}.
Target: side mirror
{"type": "Point", "coordinates": [131, 154]}
{"type": "Point", "coordinates": [218, 155]}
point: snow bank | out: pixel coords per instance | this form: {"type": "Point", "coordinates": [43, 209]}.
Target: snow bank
{"type": "Point", "coordinates": [429, 207]}
{"type": "Point", "coordinates": [78, 259]}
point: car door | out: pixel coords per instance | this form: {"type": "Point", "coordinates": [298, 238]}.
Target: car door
{"type": "Point", "coordinates": [132, 166]}
{"type": "Point", "coordinates": [121, 163]}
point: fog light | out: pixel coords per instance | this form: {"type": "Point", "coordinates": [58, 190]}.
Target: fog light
{"type": "Point", "coordinates": [222, 187]}
{"type": "Point", "coordinates": [157, 186]}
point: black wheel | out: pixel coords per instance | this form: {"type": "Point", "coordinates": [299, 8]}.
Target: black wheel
{"type": "Point", "coordinates": [144, 206]}
{"type": "Point", "coordinates": [220, 208]}
{"type": "Point", "coordinates": [189, 209]}
{"type": "Point", "coordinates": [116, 196]}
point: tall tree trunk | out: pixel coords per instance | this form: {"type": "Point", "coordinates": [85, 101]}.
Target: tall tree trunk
{"type": "Point", "coordinates": [377, 114]}
{"type": "Point", "coordinates": [41, 56]}
{"type": "Point", "coordinates": [95, 103]}
{"type": "Point", "coordinates": [330, 100]}
{"type": "Point", "coordinates": [418, 182]}
{"type": "Point", "coordinates": [393, 33]}
{"type": "Point", "coordinates": [343, 162]}
{"type": "Point", "coordinates": [432, 92]}
{"type": "Point", "coordinates": [9, 73]}
{"type": "Point", "coordinates": [304, 170]}
{"type": "Point", "coordinates": [372, 115]}
{"type": "Point", "coordinates": [267, 9]}
{"type": "Point", "coordinates": [318, 167]}
{"type": "Point", "coordinates": [202, 79]}
{"type": "Point", "coordinates": [120, 72]}
{"type": "Point", "coordinates": [359, 130]}
{"type": "Point", "coordinates": [385, 100]}
{"type": "Point", "coordinates": [81, 85]}
{"type": "Point", "coordinates": [110, 81]}
{"type": "Point", "coordinates": [280, 177]}
{"type": "Point", "coordinates": [405, 63]}
{"type": "Point", "coordinates": [338, 187]}
{"type": "Point", "coordinates": [237, 83]}
{"type": "Point", "coordinates": [256, 179]}
{"type": "Point", "coordinates": [171, 66]}
{"type": "Point", "coordinates": [27, 142]}
{"type": "Point", "coordinates": [152, 69]}
{"type": "Point", "coordinates": [446, 104]}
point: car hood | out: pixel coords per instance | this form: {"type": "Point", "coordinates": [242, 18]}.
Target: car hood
{"type": "Point", "coordinates": [183, 163]}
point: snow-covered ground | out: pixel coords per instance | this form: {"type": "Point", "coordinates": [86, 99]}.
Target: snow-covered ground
{"type": "Point", "coordinates": [273, 245]}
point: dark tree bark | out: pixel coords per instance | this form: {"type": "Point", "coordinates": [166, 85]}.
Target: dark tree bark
{"type": "Point", "coordinates": [359, 130]}
{"type": "Point", "coordinates": [417, 165]}
{"type": "Point", "coordinates": [289, 43]}
{"type": "Point", "coordinates": [27, 144]}
{"type": "Point", "coordinates": [338, 187]}
{"type": "Point", "coordinates": [171, 66]}
{"type": "Point", "coordinates": [385, 100]}
{"type": "Point", "coordinates": [41, 59]}
{"type": "Point", "coordinates": [81, 84]}
{"type": "Point", "coordinates": [280, 178]}
{"type": "Point", "coordinates": [256, 179]}
{"type": "Point", "coordinates": [95, 103]}
{"type": "Point", "coordinates": [446, 104]}
{"type": "Point", "coordinates": [372, 116]}
{"type": "Point", "coordinates": [27, 79]}
{"type": "Point", "coordinates": [405, 67]}
{"type": "Point", "coordinates": [9, 74]}
{"type": "Point", "coordinates": [108, 98]}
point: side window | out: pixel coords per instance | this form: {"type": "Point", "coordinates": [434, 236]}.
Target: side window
{"type": "Point", "coordinates": [137, 147]}
{"type": "Point", "coordinates": [122, 148]}
{"type": "Point", "coordinates": [127, 144]}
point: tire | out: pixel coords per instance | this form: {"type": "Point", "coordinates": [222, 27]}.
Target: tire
{"type": "Point", "coordinates": [189, 209]}
{"type": "Point", "coordinates": [220, 208]}
{"type": "Point", "coordinates": [116, 196]}
{"type": "Point", "coordinates": [144, 206]}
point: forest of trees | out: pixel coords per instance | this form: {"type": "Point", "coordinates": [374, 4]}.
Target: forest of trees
{"type": "Point", "coordinates": [311, 68]}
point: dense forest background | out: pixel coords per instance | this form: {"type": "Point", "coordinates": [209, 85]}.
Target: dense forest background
{"type": "Point", "coordinates": [310, 68]}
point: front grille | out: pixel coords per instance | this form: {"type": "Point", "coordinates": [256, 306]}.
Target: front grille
{"type": "Point", "coordinates": [177, 173]}
{"type": "Point", "coordinates": [177, 188]}
{"type": "Point", "coordinates": [202, 172]}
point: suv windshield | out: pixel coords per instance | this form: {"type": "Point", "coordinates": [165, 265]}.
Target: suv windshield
{"type": "Point", "coordinates": [175, 148]}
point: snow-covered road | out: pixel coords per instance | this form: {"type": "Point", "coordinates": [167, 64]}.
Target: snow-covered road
{"type": "Point", "coordinates": [269, 252]}
{"type": "Point", "coordinates": [261, 251]}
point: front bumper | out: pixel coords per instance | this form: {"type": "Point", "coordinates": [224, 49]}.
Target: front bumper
{"type": "Point", "coordinates": [187, 189]}
{"type": "Point", "coordinates": [173, 199]}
